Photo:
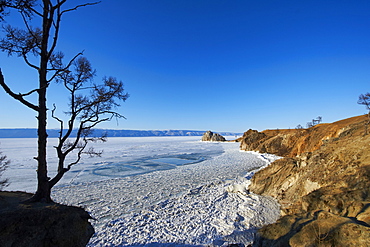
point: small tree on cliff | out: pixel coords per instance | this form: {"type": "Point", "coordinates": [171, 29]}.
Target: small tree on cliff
{"type": "Point", "coordinates": [299, 127]}
{"type": "Point", "coordinates": [314, 122]}
{"type": "Point", "coordinates": [3, 165]}
{"type": "Point", "coordinates": [86, 109]}
{"type": "Point", "coordinates": [364, 99]}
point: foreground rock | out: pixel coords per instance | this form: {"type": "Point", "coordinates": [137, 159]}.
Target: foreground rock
{"type": "Point", "coordinates": [316, 228]}
{"type": "Point", "coordinates": [212, 137]}
{"type": "Point", "coordinates": [322, 184]}
{"type": "Point", "coordinates": [41, 224]}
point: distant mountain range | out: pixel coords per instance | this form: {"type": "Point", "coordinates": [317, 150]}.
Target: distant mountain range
{"type": "Point", "coordinates": [32, 133]}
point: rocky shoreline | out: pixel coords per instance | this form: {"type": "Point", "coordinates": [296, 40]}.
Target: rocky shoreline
{"type": "Point", "coordinates": [322, 184]}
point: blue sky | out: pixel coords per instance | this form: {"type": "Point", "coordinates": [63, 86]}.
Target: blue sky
{"type": "Point", "coordinates": [218, 65]}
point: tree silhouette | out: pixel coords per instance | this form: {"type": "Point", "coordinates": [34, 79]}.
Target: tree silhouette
{"type": "Point", "coordinates": [3, 165]}
{"type": "Point", "coordinates": [86, 109]}
{"type": "Point", "coordinates": [309, 125]}
{"type": "Point", "coordinates": [317, 120]}
{"type": "Point", "coordinates": [299, 126]}
{"type": "Point", "coordinates": [364, 99]}
{"type": "Point", "coordinates": [314, 122]}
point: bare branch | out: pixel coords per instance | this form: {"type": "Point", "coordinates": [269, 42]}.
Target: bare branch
{"type": "Point", "coordinates": [77, 140]}
{"type": "Point", "coordinates": [29, 93]}
{"type": "Point", "coordinates": [36, 12]}
{"type": "Point", "coordinates": [25, 7]}
{"type": "Point", "coordinates": [95, 122]}
{"type": "Point", "coordinates": [21, 42]}
{"type": "Point", "coordinates": [58, 71]}
{"type": "Point", "coordinates": [32, 91]}
{"type": "Point", "coordinates": [79, 6]}
{"type": "Point", "coordinates": [29, 63]}
{"type": "Point", "coordinates": [29, 29]}
{"type": "Point", "coordinates": [55, 24]}
{"type": "Point", "coordinates": [80, 152]}
{"type": "Point", "coordinates": [59, 120]}
{"type": "Point", "coordinates": [18, 97]}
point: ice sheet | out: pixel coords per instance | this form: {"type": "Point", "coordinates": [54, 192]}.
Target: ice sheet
{"type": "Point", "coordinates": [162, 191]}
{"type": "Point", "coordinates": [122, 156]}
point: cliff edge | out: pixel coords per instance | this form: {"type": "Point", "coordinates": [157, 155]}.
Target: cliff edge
{"type": "Point", "coordinates": [322, 184]}
{"type": "Point", "coordinates": [41, 224]}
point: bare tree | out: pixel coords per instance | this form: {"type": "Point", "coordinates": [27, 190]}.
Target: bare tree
{"type": "Point", "coordinates": [3, 165]}
{"type": "Point", "coordinates": [314, 122]}
{"type": "Point", "coordinates": [85, 111]}
{"type": "Point", "coordinates": [309, 125]}
{"type": "Point", "coordinates": [364, 99]}
{"type": "Point", "coordinates": [299, 126]}
{"type": "Point", "coordinates": [317, 120]}
{"type": "Point", "coordinates": [39, 44]}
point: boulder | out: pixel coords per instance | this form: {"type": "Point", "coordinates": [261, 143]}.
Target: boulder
{"type": "Point", "coordinates": [317, 228]}
{"type": "Point", "coordinates": [41, 224]}
{"type": "Point", "coordinates": [213, 137]}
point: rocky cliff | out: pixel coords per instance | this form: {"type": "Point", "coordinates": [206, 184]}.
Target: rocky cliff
{"type": "Point", "coordinates": [212, 137]}
{"type": "Point", "coordinates": [322, 184]}
{"type": "Point", "coordinates": [292, 142]}
{"type": "Point", "coordinates": [41, 224]}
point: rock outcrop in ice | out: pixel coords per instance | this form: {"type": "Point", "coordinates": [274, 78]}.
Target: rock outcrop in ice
{"type": "Point", "coordinates": [212, 137]}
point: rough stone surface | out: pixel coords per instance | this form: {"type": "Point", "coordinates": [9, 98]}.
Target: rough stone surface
{"type": "Point", "coordinates": [41, 224]}
{"type": "Point", "coordinates": [292, 142]}
{"type": "Point", "coordinates": [317, 228]}
{"type": "Point", "coordinates": [212, 137]}
{"type": "Point", "coordinates": [322, 184]}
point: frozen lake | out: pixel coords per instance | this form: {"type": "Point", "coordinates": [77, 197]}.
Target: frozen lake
{"type": "Point", "coordinates": [157, 191]}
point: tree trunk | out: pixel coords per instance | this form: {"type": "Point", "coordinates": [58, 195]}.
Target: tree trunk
{"type": "Point", "coordinates": [43, 187]}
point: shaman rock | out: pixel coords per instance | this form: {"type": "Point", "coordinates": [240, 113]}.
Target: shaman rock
{"type": "Point", "coordinates": [213, 137]}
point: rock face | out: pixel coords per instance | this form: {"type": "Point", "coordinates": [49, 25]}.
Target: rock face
{"type": "Point", "coordinates": [40, 224]}
{"type": "Point", "coordinates": [292, 142]}
{"type": "Point", "coordinates": [322, 184]}
{"type": "Point", "coordinates": [319, 228]}
{"type": "Point", "coordinates": [213, 137]}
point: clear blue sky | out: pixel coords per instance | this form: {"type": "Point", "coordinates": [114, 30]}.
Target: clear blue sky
{"type": "Point", "coordinates": [218, 65]}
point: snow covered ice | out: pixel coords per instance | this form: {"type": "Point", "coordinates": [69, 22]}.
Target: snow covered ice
{"type": "Point", "coordinates": [158, 191]}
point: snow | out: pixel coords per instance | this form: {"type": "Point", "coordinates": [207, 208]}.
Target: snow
{"type": "Point", "coordinates": [158, 191]}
